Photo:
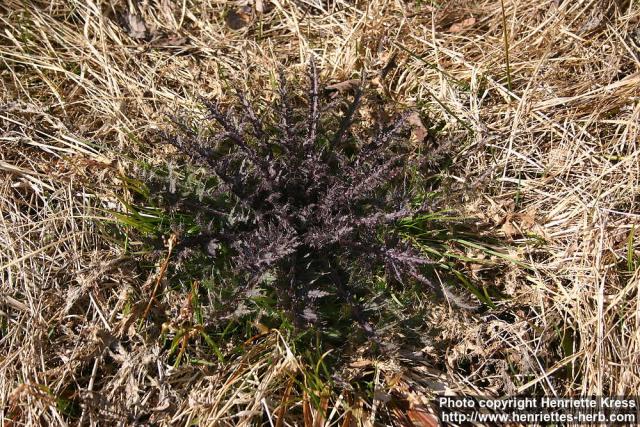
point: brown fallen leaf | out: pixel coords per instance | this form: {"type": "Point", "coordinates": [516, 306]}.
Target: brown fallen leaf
{"type": "Point", "coordinates": [342, 87]}
{"type": "Point", "coordinates": [237, 19]}
{"type": "Point", "coordinates": [361, 363]}
{"type": "Point", "coordinates": [137, 27]}
{"type": "Point", "coordinates": [421, 418]}
{"type": "Point", "coordinates": [527, 219]}
{"type": "Point", "coordinates": [262, 329]}
{"type": "Point", "coordinates": [418, 130]}
{"type": "Point", "coordinates": [458, 27]}
{"type": "Point", "coordinates": [508, 229]}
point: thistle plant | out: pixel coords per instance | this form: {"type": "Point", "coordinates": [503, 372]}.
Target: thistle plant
{"type": "Point", "coordinates": [311, 201]}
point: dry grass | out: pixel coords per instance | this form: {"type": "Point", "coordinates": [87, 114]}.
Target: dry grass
{"type": "Point", "coordinates": [556, 150]}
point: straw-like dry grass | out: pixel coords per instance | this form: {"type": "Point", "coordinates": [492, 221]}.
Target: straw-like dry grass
{"type": "Point", "coordinates": [549, 145]}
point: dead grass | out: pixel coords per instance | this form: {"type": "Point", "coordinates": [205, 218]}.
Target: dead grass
{"type": "Point", "coordinates": [557, 154]}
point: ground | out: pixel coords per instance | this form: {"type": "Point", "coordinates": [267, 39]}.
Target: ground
{"type": "Point", "coordinates": [538, 101]}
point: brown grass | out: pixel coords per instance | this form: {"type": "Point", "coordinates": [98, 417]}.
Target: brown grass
{"type": "Point", "coordinates": [557, 152]}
